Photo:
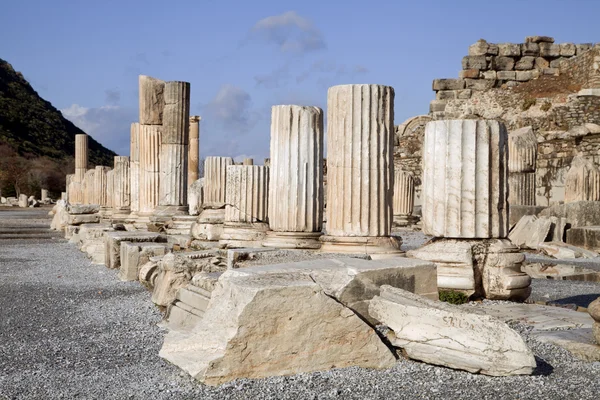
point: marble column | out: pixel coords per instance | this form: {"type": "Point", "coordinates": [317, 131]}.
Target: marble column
{"type": "Point", "coordinates": [582, 182]}
{"type": "Point", "coordinates": [134, 168]}
{"type": "Point", "coordinates": [360, 170]}
{"type": "Point", "coordinates": [522, 155]}
{"type": "Point", "coordinates": [465, 175]}
{"type": "Point", "coordinates": [110, 191]}
{"type": "Point", "coordinates": [296, 177]}
{"type": "Point", "coordinates": [248, 161]}
{"type": "Point", "coordinates": [404, 197]}
{"type": "Point", "coordinates": [194, 152]}
{"type": "Point", "coordinates": [69, 187]}
{"type": "Point", "coordinates": [151, 100]}
{"type": "Point", "coordinates": [100, 186]}
{"type": "Point", "coordinates": [44, 196]}
{"type": "Point", "coordinates": [88, 187]}
{"type": "Point", "coordinates": [81, 156]}
{"type": "Point", "coordinates": [246, 210]}
{"type": "Point", "coordinates": [172, 199]}
{"type": "Point", "coordinates": [149, 139]}
{"type": "Point", "coordinates": [122, 199]}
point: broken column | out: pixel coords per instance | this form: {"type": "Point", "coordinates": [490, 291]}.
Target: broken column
{"type": "Point", "coordinates": [465, 202]}
{"type": "Point", "coordinates": [194, 152]}
{"type": "Point", "coordinates": [151, 100]}
{"type": "Point", "coordinates": [246, 202]}
{"type": "Point", "coordinates": [404, 198]}
{"type": "Point", "coordinates": [296, 177]}
{"type": "Point", "coordinates": [522, 154]}
{"type": "Point", "coordinates": [209, 225]}
{"type": "Point", "coordinates": [134, 168]}
{"type": "Point", "coordinates": [360, 170]}
{"type": "Point", "coordinates": [582, 182]}
{"type": "Point", "coordinates": [121, 191]}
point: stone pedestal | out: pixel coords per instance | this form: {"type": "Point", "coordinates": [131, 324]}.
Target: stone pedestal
{"type": "Point", "coordinates": [488, 268]}
{"type": "Point", "coordinates": [172, 198]}
{"type": "Point", "coordinates": [194, 152]}
{"type": "Point", "coordinates": [522, 155]}
{"type": "Point", "coordinates": [360, 168]}
{"type": "Point", "coordinates": [149, 139]}
{"type": "Point", "coordinates": [465, 179]}
{"type": "Point", "coordinates": [582, 182]}
{"type": "Point", "coordinates": [404, 198]}
{"type": "Point", "coordinates": [296, 178]}
{"type": "Point", "coordinates": [121, 196]}
{"type": "Point", "coordinates": [134, 168]}
{"type": "Point", "coordinates": [246, 219]}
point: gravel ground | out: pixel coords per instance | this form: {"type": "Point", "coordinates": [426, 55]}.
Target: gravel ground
{"type": "Point", "coordinates": [70, 329]}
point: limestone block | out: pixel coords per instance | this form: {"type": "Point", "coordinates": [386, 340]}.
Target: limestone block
{"type": "Point", "coordinates": [530, 49]}
{"type": "Point", "coordinates": [437, 105]}
{"type": "Point", "coordinates": [578, 214]}
{"type": "Point", "coordinates": [257, 326]}
{"type": "Point", "coordinates": [464, 94]}
{"type": "Point", "coordinates": [549, 50]}
{"type": "Point", "coordinates": [83, 208]}
{"type": "Point", "coordinates": [474, 62]}
{"type": "Point", "coordinates": [469, 73]}
{"type": "Point", "coordinates": [448, 84]}
{"type": "Point", "coordinates": [583, 47]}
{"type": "Point", "coordinates": [480, 84]}
{"type": "Point", "coordinates": [215, 181]}
{"type": "Point", "coordinates": [530, 231]}
{"type": "Point", "coordinates": [446, 94]}
{"type": "Point", "coordinates": [509, 49]}
{"type": "Point", "coordinates": [295, 202]}
{"type": "Point", "coordinates": [539, 39]}
{"type": "Point", "coordinates": [61, 217]}
{"type": "Point", "coordinates": [442, 334]}
{"type": "Point", "coordinates": [523, 76]}
{"type": "Point", "coordinates": [525, 63]}
{"type": "Point", "coordinates": [465, 190]}
{"type": "Point", "coordinates": [479, 48]}
{"type": "Point", "coordinates": [521, 188]}
{"type": "Point", "coordinates": [506, 75]}
{"type": "Point", "coordinates": [110, 188]}
{"type": "Point", "coordinates": [196, 197]}
{"type": "Point", "coordinates": [78, 219]}
{"type": "Point", "coordinates": [587, 237]}
{"type": "Point", "coordinates": [88, 187]}
{"type": "Point", "coordinates": [541, 63]}
{"type": "Point", "coordinates": [135, 255]}
{"type": "Point", "coordinates": [112, 244]}
{"type": "Point", "coordinates": [582, 182]}
{"type": "Point", "coordinates": [562, 250]}
{"type": "Point", "coordinates": [556, 62]}
{"type": "Point", "coordinates": [503, 63]}
{"type": "Point", "coordinates": [551, 71]}
{"type": "Point", "coordinates": [489, 75]}
{"type": "Point", "coordinates": [173, 175]}
{"type": "Point", "coordinates": [149, 272]}
{"type": "Point", "coordinates": [151, 96]}
{"type": "Point", "coordinates": [404, 193]}
{"type": "Point", "coordinates": [91, 237]}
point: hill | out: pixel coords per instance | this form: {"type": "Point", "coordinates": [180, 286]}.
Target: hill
{"type": "Point", "coordinates": [33, 127]}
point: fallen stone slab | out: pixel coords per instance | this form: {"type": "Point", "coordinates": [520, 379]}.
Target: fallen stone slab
{"type": "Point", "coordinates": [442, 334]}
{"type": "Point", "coordinates": [83, 208]}
{"type": "Point", "coordinates": [80, 219]}
{"type": "Point", "coordinates": [112, 244]}
{"type": "Point", "coordinates": [516, 212]}
{"type": "Point", "coordinates": [262, 325]}
{"type": "Point", "coordinates": [587, 237]}
{"type": "Point", "coordinates": [563, 250]}
{"type": "Point", "coordinates": [135, 255]}
{"type": "Point", "coordinates": [530, 231]}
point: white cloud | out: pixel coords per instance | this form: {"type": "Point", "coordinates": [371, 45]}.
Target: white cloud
{"type": "Point", "coordinates": [232, 108]}
{"type": "Point", "coordinates": [290, 32]}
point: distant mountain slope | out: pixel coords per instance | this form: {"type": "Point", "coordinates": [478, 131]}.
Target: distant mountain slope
{"type": "Point", "coordinates": [32, 125]}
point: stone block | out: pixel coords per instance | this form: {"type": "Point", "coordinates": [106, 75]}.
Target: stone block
{"type": "Point", "coordinates": [567, 49]}
{"type": "Point", "coordinates": [83, 208]}
{"type": "Point", "coordinates": [490, 75]}
{"type": "Point", "coordinates": [523, 76]}
{"type": "Point", "coordinates": [448, 84]}
{"type": "Point", "coordinates": [257, 326]}
{"type": "Point", "coordinates": [475, 62]}
{"type": "Point", "coordinates": [589, 92]}
{"type": "Point", "coordinates": [578, 213]}
{"type": "Point", "coordinates": [480, 84]}
{"type": "Point", "coordinates": [565, 251]}
{"type": "Point", "coordinates": [469, 73]}
{"type": "Point", "coordinates": [530, 49]}
{"type": "Point", "coordinates": [134, 255]}
{"type": "Point", "coordinates": [541, 63]}
{"type": "Point", "coordinates": [530, 231]}
{"type": "Point", "coordinates": [509, 49]}
{"type": "Point", "coordinates": [549, 50]}
{"type": "Point", "coordinates": [582, 182]}
{"type": "Point", "coordinates": [502, 63]}
{"type": "Point", "coordinates": [445, 94]}
{"type": "Point", "coordinates": [587, 237]}
{"type": "Point", "coordinates": [437, 105]}
{"type": "Point", "coordinates": [506, 75]}
{"type": "Point", "coordinates": [516, 212]}
{"type": "Point", "coordinates": [479, 48]}
{"type": "Point", "coordinates": [464, 94]}
{"type": "Point", "coordinates": [525, 63]}
{"type": "Point", "coordinates": [79, 219]}
{"type": "Point", "coordinates": [582, 48]}
{"type": "Point", "coordinates": [539, 39]}
{"type": "Point", "coordinates": [447, 335]}
{"type": "Point", "coordinates": [551, 71]}
{"type": "Point", "coordinates": [556, 62]}
{"type": "Point", "coordinates": [112, 244]}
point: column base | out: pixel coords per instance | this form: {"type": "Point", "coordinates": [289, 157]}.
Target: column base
{"type": "Point", "coordinates": [377, 247]}
{"type": "Point", "coordinates": [293, 240]}
{"type": "Point", "coordinates": [237, 235]}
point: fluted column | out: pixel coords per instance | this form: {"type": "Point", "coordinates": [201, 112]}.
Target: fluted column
{"type": "Point", "coordinates": [174, 149]}
{"type": "Point", "coordinates": [296, 177]}
{"type": "Point", "coordinates": [522, 155]}
{"type": "Point", "coordinates": [134, 167]}
{"type": "Point", "coordinates": [122, 200]}
{"type": "Point", "coordinates": [151, 99]}
{"type": "Point", "coordinates": [582, 182]}
{"type": "Point", "coordinates": [110, 188]}
{"type": "Point", "coordinates": [360, 168]}
{"type": "Point", "coordinates": [215, 181]}
{"type": "Point", "coordinates": [194, 154]}
{"type": "Point", "coordinates": [88, 187]}
{"type": "Point", "coordinates": [404, 197]}
{"type": "Point", "coordinates": [81, 156]}
{"type": "Point", "coordinates": [246, 210]}
{"type": "Point", "coordinates": [150, 139]}
{"type": "Point", "coordinates": [465, 179]}
{"type": "Point", "coordinates": [100, 185]}
{"type": "Point", "coordinates": [248, 161]}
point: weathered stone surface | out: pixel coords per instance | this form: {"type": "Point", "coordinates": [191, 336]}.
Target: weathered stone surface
{"type": "Point", "coordinates": [135, 255]}
{"type": "Point", "coordinates": [525, 63]}
{"type": "Point", "coordinates": [506, 75]}
{"type": "Point", "coordinates": [134, 168]}
{"type": "Point", "coordinates": [489, 75]}
{"type": "Point", "coordinates": [578, 214]}
{"type": "Point", "coordinates": [468, 73]}
{"type": "Point", "coordinates": [78, 219]}
{"type": "Point", "coordinates": [258, 326]}
{"type": "Point", "coordinates": [539, 39]}
{"type": "Point", "coordinates": [479, 48]}
{"type": "Point", "coordinates": [23, 201]}
{"type": "Point", "coordinates": [404, 193]}
{"type": "Point", "coordinates": [522, 150]}
{"type": "Point", "coordinates": [504, 63]}
{"type": "Point", "coordinates": [447, 335]}
{"type": "Point", "coordinates": [91, 240]}
{"type": "Point", "coordinates": [474, 62]}
{"type": "Point", "coordinates": [521, 188]}
{"type": "Point", "coordinates": [61, 216]}
{"type": "Point", "coordinates": [582, 182]}
{"type": "Point", "coordinates": [150, 143]}
{"type": "Point", "coordinates": [151, 96]}
{"type": "Point", "coordinates": [541, 63]}
{"type": "Point", "coordinates": [465, 190]}
{"type": "Point", "coordinates": [594, 311]}
{"type": "Point", "coordinates": [100, 183]}
{"type": "Point", "coordinates": [509, 49]}
{"type": "Point", "coordinates": [562, 250]}
{"type": "Point", "coordinates": [523, 76]}
{"type": "Point", "coordinates": [587, 237]}
{"type": "Point", "coordinates": [215, 181]}
{"type": "Point", "coordinates": [196, 197]}
{"type": "Point", "coordinates": [122, 192]}
{"type": "Point", "coordinates": [448, 84]}
{"type": "Point", "coordinates": [83, 208]}
{"type": "Point", "coordinates": [112, 244]}
{"type": "Point", "coordinates": [247, 193]}
{"type": "Point", "coordinates": [583, 47]}
{"type": "Point", "coordinates": [479, 84]}
{"type": "Point", "coordinates": [484, 268]}
{"type": "Point", "coordinates": [549, 50]}
{"type": "Point", "coordinates": [530, 231]}
{"type": "Point", "coordinates": [530, 49]}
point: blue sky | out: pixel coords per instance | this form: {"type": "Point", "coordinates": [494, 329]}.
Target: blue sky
{"type": "Point", "coordinates": [242, 57]}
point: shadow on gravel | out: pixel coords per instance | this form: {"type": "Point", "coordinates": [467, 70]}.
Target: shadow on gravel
{"type": "Point", "coordinates": [582, 300]}
{"type": "Point", "coordinates": [543, 368]}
